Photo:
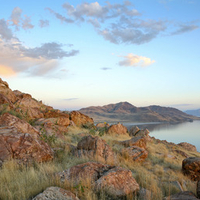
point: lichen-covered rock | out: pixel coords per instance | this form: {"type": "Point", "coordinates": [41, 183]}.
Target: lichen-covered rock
{"type": "Point", "coordinates": [89, 171]}
{"type": "Point", "coordinates": [191, 167]}
{"type": "Point", "coordinates": [118, 129]}
{"type": "Point", "coordinates": [182, 196]}
{"type": "Point", "coordinates": [23, 127]}
{"type": "Point", "coordinates": [139, 141]}
{"type": "Point", "coordinates": [117, 182]}
{"type": "Point", "coordinates": [6, 91]}
{"type": "Point", "coordinates": [134, 130]}
{"type": "Point", "coordinates": [56, 193]}
{"type": "Point", "coordinates": [22, 146]}
{"type": "Point", "coordinates": [188, 146]}
{"type": "Point", "coordinates": [80, 119]}
{"type": "Point", "coordinates": [135, 153]}
{"type": "Point", "coordinates": [95, 147]}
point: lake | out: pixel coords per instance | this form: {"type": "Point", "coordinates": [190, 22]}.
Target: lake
{"type": "Point", "coordinates": [176, 133]}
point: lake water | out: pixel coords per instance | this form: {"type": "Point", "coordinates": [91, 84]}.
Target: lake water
{"type": "Point", "coordinates": [176, 133]}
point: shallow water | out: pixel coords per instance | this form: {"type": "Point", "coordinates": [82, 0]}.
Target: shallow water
{"type": "Point", "coordinates": [176, 133]}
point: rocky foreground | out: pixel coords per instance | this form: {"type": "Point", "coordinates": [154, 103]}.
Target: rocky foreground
{"type": "Point", "coordinates": [103, 161]}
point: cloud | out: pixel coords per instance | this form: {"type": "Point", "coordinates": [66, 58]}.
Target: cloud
{"type": "Point", "coordinates": [60, 17]}
{"type": "Point", "coordinates": [37, 61]}
{"type": "Point", "coordinates": [183, 28]}
{"type": "Point", "coordinates": [118, 22]}
{"type": "Point", "coordinates": [71, 99]}
{"type": "Point", "coordinates": [6, 71]}
{"type": "Point", "coordinates": [5, 32]}
{"type": "Point", "coordinates": [106, 68]}
{"type": "Point", "coordinates": [135, 60]}
{"type": "Point", "coordinates": [127, 35]}
{"type": "Point", "coordinates": [43, 23]}
{"type": "Point", "coordinates": [19, 21]}
{"type": "Point", "coordinates": [16, 16]}
{"type": "Point", "coordinates": [51, 50]}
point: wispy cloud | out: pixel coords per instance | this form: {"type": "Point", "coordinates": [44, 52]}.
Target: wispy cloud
{"type": "Point", "coordinates": [71, 99]}
{"type": "Point", "coordinates": [183, 28]}
{"type": "Point", "coordinates": [105, 68]}
{"type": "Point", "coordinates": [119, 22]}
{"type": "Point", "coordinates": [43, 23]}
{"type": "Point", "coordinates": [37, 61]}
{"type": "Point", "coordinates": [18, 21]}
{"type": "Point", "coordinates": [133, 60]}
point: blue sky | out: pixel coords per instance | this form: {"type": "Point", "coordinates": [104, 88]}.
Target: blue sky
{"type": "Point", "coordinates": [74, 54]}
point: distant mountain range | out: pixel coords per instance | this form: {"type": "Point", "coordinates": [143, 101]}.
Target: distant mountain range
{"type": "Point", "coordinates": [125, 111]}
{"type": "Point", "coordinates": [193, 112]}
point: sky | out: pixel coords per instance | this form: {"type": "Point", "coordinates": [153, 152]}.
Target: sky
{"type": "Point", "coordinates": [75, 54]}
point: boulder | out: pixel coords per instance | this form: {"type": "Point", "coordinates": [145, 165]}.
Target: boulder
{"type": "Point", "coordinates": [6, 91]}
{"type": "Point", "coordinates": [133, 130]}
{"type": "Point", "coordinates": [182, 196]}
{"type": "Point", "coordinates": [53, 126]}
{"type": "Point", "coordinates": [198, 189]}
{"type": "Point", "coordinates": [4, 100]}
{"type": "Point", "coordinates": [119, 129]}
{"type": "Point", "coordinates": [142, 132]}
{"type": "Point", "coordinates": [191, 168]}
{"type": "Point", "coordinates": [135, 153]}
{"type": "Point", "coordinates": [89, 171]}
{"type": "Point", "coordinates": [95, 147]}
{"type": "Point", "coordinates": [139, 141]}
{"type": "Point", "coordinates": [80, 119]}
{"type": "Point", "coordinates": [22, 146]}
{"type": "Point", "coordinates": [23, 127]}
{"type": "Point", "coordinates": [188, 146]}
{"type": "Point", "coordinates": [56, 193]}
{"type": "Point", "coordinates": [117, 182]}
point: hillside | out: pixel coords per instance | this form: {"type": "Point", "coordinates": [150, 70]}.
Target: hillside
{"type": "Point", "coordinates": [193, 112]}
{"type": "Point", "coordinates": [125, 111]}
{"type": "Point", "coordinates": [50, 154]}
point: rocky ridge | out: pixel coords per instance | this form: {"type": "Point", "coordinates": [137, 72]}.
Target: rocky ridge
{"type": "Point", "coordinates": [125, 111]}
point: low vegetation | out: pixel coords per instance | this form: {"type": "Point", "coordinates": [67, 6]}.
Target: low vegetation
{"type": "Point", "coordinates": [160, 174]}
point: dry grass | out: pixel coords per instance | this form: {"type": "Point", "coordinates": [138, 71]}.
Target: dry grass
{"type": "Point", "coordinates": [156, 174]}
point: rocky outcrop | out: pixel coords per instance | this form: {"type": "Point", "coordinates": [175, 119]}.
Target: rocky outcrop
{"type": "Point", "coordinates": [191, 168]}
{"type": "Point", "coordinates": [182, 196]}
{"type": "Point", "coordinates": [115, 181]}
{"type": "Point", "coordinates": [89, 171]}
{"type": "Point", "coordinates": [118, 129]}
{"type": "Point", "coordinates": [56, 193]}
{"type": "Point", "coordinates": [80, 119]}
{"type": "Point", "coordinates": [22, 146]}
{"type": "Point", "coordinates": [135, 153]}
{"type": "Point", "coordinates": [95, 147]}
{"type": "Point", "coordinates": [139, 141]}
{"type": "Point", "coordinates": [6, 91]}
{"type": "Point", "coordinates": [23, 127]}
{"type": "Point", "coordinates": [188, 146]}
{"type": "Point", "coordinates": [134, 130]}
{"type": "Point", "coordinates": [53, 126]}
